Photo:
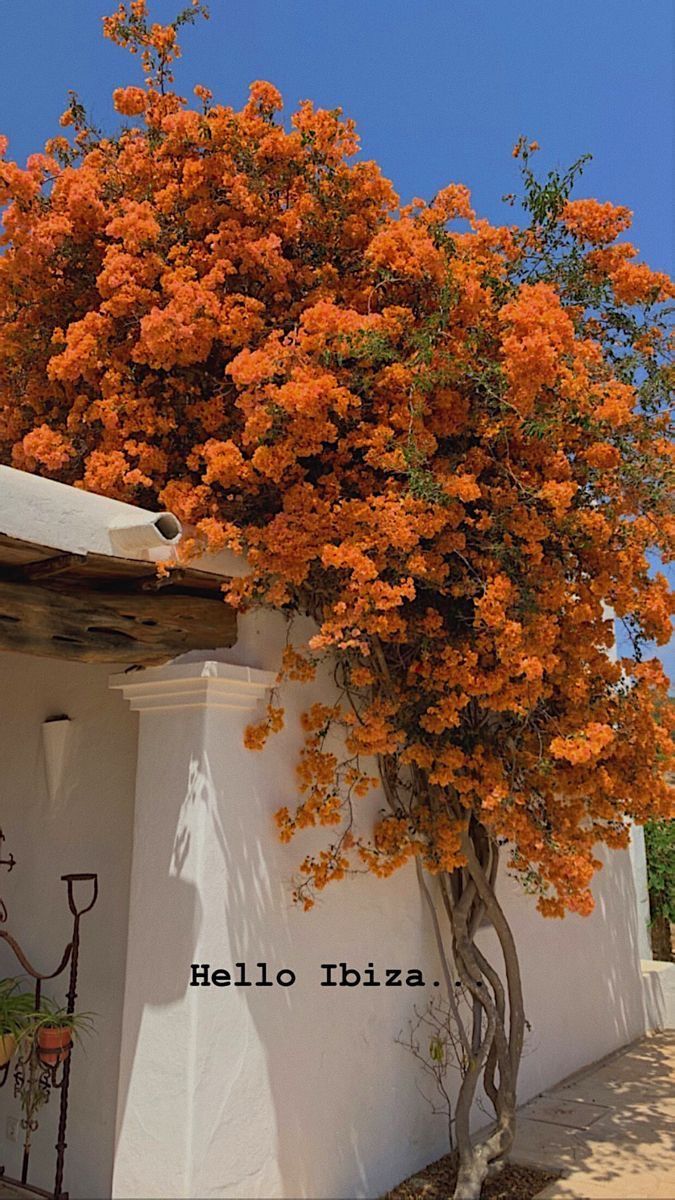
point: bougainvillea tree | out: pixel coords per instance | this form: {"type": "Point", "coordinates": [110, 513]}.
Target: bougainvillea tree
{"type": "Point", "coordinates": [443, 440]}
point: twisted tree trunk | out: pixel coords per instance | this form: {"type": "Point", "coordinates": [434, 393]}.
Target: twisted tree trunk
{"type": "Point", "coordinates": [492, 1035]}
{"type": "Point", "coordinates": [490, 1049]}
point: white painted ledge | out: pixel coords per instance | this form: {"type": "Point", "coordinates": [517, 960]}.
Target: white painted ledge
{"type": "Point", "coordinates": [658, 981]}
{"type": "Point", "coordinates": [65, 518]}
{"type": "Point", "coordinates": [194, 685]}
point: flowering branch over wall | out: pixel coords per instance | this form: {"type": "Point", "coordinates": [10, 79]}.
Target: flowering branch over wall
{"type": "Point", "coordinates": [445, 441]}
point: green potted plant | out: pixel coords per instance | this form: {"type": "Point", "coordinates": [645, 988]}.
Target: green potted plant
{"type": "Point", "coordinates": [16, 1011]}
{"type": "Point", "coordinates": [43, 1038]}
{"type": "Point", "coordinates": [54, 1030]}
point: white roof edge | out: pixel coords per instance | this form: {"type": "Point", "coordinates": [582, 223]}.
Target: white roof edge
{"type": "Point", "coordinates": [71, 520]}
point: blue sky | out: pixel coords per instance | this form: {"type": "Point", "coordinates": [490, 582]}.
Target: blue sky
{"type": "Point", "coordinates": [440, 89]}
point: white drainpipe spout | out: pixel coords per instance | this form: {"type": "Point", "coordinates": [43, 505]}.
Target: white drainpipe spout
{"type": "Point", "coordinates": [154, 533]}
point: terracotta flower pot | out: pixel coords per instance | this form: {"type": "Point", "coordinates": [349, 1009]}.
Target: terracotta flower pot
{"type": "Point", "coordinates": [7, 1047]}
{"type": "Point", "coordinates": [54, 1045]}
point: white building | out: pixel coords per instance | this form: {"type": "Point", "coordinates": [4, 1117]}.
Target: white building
{"type": "Point", "coordinates": [143, 778]}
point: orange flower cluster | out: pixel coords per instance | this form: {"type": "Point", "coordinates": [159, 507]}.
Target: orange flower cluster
{"type": "Point", "coordinates": [539, 333]}
{"type": "Point", "coordinates": [448, 447]}
{"type": "Point", "coordinates": [591, 221]}
{"type": "Point", "coordinates": [255, 736]}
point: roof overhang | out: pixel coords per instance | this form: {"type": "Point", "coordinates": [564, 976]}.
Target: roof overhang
{"type": "Point", "coordinates": [78, 579]}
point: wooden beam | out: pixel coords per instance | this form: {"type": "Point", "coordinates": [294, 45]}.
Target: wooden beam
{"type": "Point", "coordinates": [52, 566]}
{"type": "Point", "coordinates": [106, 571]}
{"type": "Point", "coordinates": [91, 626]}
{"type": "Point", "coordinates": [175, 575]}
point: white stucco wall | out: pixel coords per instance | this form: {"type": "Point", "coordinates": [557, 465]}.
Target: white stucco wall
{"type": "Point", "coordinates": [86, 827]}
{"type": "Point", "coordinates": [242, 1092]}
{"type": "Point", "coordinates": [239, 1092]}
{"type": "Point", "coordinates": [302, 1091]}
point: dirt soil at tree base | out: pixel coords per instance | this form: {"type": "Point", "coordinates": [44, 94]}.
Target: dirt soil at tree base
{"type": "Point", "coordinates": [437, 1181]}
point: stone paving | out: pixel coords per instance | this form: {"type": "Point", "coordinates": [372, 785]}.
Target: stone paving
{"type": "Point", "coordinates": [609, 1128]}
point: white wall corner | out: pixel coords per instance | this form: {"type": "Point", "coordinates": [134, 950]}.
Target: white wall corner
{"type": "Point", "coordinates": [638, 862]}
{"type": "Point", "coordinates": [193, 774]}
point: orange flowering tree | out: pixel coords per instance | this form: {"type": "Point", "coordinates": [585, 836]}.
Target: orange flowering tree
{"type": "Point", "coordinates": [443, 440]}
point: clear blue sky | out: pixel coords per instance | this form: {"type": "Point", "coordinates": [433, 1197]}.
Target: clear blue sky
{"type": "Point", "coordinates": [440, 89]}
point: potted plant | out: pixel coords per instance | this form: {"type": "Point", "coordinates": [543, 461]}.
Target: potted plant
{"type": "Point", "coordinates": [45, 1038]}
{"type": "Point", "coordinates": [54, 1030]}
{"type": "Point", "coordinates": [16, 1011]}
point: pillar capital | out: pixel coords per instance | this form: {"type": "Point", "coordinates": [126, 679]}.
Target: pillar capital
{"type": "Point", "coordinates": [194, 685]}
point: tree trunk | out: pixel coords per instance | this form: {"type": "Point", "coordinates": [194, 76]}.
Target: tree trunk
{"type": "Point", "coordinates": [492, 1023]}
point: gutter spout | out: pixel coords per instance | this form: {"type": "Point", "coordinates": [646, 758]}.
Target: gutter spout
{"type": "Point", "coordinates": [154, 533]}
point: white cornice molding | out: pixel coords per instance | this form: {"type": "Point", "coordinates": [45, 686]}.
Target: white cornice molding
{"type": "Point", "coordinates": [194, 685]}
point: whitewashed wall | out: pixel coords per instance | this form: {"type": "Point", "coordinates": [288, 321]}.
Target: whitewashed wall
{"type": "Point", "coordinates": [302, 1091]}
{"type": "Point", "coordinates": [87, 827]}
{"type": "Point", "coordinates": [275, 1092]}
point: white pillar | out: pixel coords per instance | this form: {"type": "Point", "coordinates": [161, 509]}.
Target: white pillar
{"type": "Point", "coordinates": [182, 1088]}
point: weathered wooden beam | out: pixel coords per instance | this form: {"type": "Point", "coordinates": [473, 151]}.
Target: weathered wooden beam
{"type": "Point", "coordinates": [98, 570]}
{"type": "Point", "coordinates": [175, 575]}
{"type": "Point", "coordinates": [52, 566]}
{"type": "Point", "coordinates": [91, 626]}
